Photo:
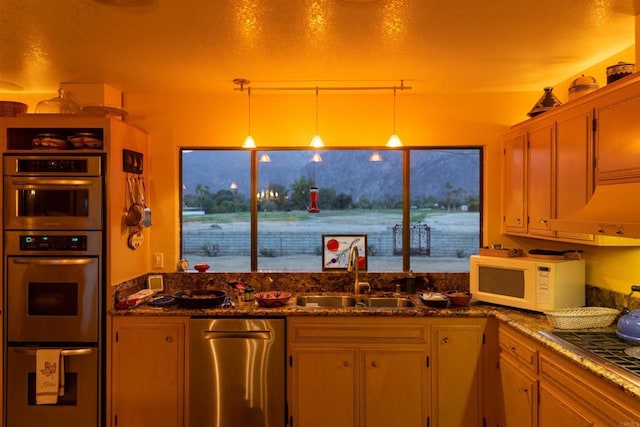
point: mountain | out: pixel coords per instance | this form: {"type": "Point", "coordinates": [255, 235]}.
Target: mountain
{"type": "Point", "coordinates": [434, 172]}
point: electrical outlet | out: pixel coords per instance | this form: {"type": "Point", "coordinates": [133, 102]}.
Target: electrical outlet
{"type": "Point", "coordinates": [158, 260]}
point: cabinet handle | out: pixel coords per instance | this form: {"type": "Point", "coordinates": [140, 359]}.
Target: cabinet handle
{"type": "Point", "coordinates": [168, 339]}
{"type": "Point", "coordinates": [445, 340]}
{"type": "Point", "coordinates": [374, 364]}
{"type": "Point", "coordinates": [523, 390]}
{"type": "Point", "coordinates": [517, 220]}
{"type": "Point", "coordinates": [543, 221]}
{"type": "Point", "coordinates": [512, 349]}
{"type": "Point", "coordinates": [346, 364]}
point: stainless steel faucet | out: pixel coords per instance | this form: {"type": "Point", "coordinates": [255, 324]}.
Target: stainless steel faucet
{"type": "Point", "coordinates": [352, 265]}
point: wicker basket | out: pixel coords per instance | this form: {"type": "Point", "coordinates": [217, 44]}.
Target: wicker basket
{"type": "Point", "coordinates": [582, 318]}
{"type": "Point", "coordinates": [12, 108]}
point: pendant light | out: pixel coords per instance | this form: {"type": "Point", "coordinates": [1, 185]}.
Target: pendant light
{"type": "Point", "coordinates": [316, 142]}
{"type": "Point", "coordinates": [394, 141]}
{"type": "Point", "coordinates": [249, 142]}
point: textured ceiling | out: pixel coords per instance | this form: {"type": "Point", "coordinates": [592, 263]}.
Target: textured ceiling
{"type": "Point", "coordinates": [202, 45]}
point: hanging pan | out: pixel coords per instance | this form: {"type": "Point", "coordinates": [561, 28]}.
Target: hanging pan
{"type": "Point", "coordinates": [135, 213]}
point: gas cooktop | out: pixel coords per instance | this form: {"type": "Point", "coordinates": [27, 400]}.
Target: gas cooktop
{"type": "Point", "coordinates": [605, 348]}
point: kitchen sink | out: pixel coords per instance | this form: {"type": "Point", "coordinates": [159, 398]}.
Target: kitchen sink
{"type": "Point", "coordinates": [338, 301]}
{"type": "Point", "coordinates": [326, 301]}
{"type": "Point", "coordinates": [389, 302]}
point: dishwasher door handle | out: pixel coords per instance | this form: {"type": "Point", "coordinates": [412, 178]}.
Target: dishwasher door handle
{"type": "Point", "coordinates": [254, 335]}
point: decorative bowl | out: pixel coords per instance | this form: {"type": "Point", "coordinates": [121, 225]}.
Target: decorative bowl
{"type": "Point", "coordinates": [459, 298]}
{"type": "Point", "coordinates": [201, 267]}
{"type": "Point", "coordinates": [272, 298]}
{"type": "Point", "coordinates": [434, 300]}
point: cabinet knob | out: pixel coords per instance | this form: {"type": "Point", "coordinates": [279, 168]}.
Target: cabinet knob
{"type": "Point", "coordinates": [346, 364]}
{"type": "Point", "coordinates": [168, 339]}
{"type": "Point", "coordinates": [374, 364]}
{"type": "Point", "coordinates": [543, 221]}
{"type": "Point", "coordinates": [444, 340]}
{"type": "Point", "coordinates": [523, 390]}
{"type": "Point", "coordinates": [512, 349]}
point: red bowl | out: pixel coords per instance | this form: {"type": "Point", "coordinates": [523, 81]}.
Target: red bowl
{"type": "Point", "coordinates": [459, 298]}
{"type": "Point", "coordinates": [273, 298]}
{"type": "Point", "coordinates": [201, 267]}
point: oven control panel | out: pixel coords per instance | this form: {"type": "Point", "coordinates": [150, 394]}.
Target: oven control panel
{"type": "Point", "coordinates": [53, 243]}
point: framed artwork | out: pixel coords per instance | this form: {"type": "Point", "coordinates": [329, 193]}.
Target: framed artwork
{"type": "Point", "coordinates": [336, 247]}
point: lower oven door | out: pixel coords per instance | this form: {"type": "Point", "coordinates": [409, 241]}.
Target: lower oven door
{"type": "Point", "coordinates": [51, 299]}
{"type": "Point", "coordinates": [77, 407]}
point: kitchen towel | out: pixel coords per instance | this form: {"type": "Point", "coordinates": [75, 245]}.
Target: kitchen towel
{"type": "Point", "coordinates": [49, 376]}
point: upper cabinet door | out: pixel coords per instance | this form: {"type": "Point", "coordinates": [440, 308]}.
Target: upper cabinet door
{"type": "Point", "coordinates": [541, 193]}
{"type": "Point", "coordinates": [574, 164]}
{"type": "Point", "coordinates": [618, 142]}
{"type": "Point", "coordinates": [514, 185]}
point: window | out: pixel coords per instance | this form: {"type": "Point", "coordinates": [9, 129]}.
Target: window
{"type": "Point", "coordinates": [300, 195]}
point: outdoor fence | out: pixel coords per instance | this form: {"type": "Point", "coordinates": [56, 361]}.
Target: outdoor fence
{"type": "Point", "coordinates": [215, 242]}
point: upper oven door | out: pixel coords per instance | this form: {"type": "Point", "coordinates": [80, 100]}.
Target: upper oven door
{"type": "Point", "coordinates": [52, 299]}
{"type": "Point", "coordinates": [46, 203]}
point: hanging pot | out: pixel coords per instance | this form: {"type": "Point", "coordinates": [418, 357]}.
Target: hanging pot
{"type": "Point", "coordinates": [135, 213]}
{"type": "Point", "coordinates": [146, 221]}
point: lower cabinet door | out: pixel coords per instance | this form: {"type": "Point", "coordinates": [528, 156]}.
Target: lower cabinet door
{"type": "Point", "coordinates": [555, 412]}
{"type": "Point", "coordinates": [456, 375]}
{"type": "Point", "coordinates": [324, 383]}
{"type": "Point", "coordinates": [395, 388]}
{"type": "Point", "coordinates": [519, 396]}
{"type": "Point", "coordinates": [148, 387]}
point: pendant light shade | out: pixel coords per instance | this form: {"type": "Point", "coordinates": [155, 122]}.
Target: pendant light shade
{"type": "Point", "coordinates": [249, 142]}
{"type": "Point", "coordinates": [316, 142]}
{"type": "Point", "coordinates": [394, 140]}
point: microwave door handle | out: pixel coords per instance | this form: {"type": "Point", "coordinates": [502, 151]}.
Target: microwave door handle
{"type": "Point", "coordinates": [49, 182]}
{"type": "Point", "coordinates": [58, 262]}
{"type": "Point", "coordinates": [74, 352]}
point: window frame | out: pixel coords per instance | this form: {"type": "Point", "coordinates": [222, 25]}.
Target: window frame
{"type": "Point", "coordinates": [406, 191]}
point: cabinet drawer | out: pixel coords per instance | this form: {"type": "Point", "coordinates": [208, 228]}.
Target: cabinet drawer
{"type": "Point", "coordinates": [519, 348]}
{"type": "Point", "coordinates": [351, 330]}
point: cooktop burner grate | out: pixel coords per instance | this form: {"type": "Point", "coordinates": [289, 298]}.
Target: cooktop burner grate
{"type": "Point", "coordinates": [604, 345]}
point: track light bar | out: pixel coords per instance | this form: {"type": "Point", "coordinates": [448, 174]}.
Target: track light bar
{"type": "Point", "coordinates": [245, 84]}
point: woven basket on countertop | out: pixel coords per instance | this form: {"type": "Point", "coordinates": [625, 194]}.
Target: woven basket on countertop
{"type": "Point", "coordinates": [582, 317]}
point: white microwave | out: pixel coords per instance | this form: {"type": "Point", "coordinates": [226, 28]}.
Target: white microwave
{"type": "Point", "coordinates": [528, 283]}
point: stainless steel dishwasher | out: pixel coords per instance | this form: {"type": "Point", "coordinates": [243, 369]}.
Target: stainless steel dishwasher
{"type": "Point", "coordinates": [237, 373]}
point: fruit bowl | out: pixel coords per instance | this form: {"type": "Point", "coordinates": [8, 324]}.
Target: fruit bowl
{"type": "Point", "coordinates": [459, 298]}
{"type": "Point", "coordinates": [272, 298]}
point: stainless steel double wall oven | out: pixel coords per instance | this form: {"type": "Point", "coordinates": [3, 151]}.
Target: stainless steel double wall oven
{"type": "Point", "coordinates": [53, 216]}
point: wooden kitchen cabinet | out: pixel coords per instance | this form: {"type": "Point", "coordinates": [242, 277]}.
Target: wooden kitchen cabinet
{"type": "Point", "coordinates": [457, 372]}
{"type": "Point", "coordinates": [325, 386]}
{"type": "Point", "coordinates": [361, 372]}
{"type": "Point", "coordinates": [541, 387]}
{"type": "Point", "coordinates": [540, 189]}
{"type": "Point", "coordinates": [514, 215]}
{"type": "Point", "coordinates": [148, 371]}
{"type": "Point", "coordinates": [617, 136]}
{"type": "Point", "coordinates": [378, 372]}
{"type": "Point", "coordinates": [518, 379]}
{"type": "Point", "coordinates": [570, 397]}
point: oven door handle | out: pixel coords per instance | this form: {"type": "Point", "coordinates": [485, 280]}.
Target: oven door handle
{"type": "Point", "coordinates": [57, 261]}
{"type": "Point", "coordinates": [51, 182]}
{"type": "Point", "coordinates": [74, 352]}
